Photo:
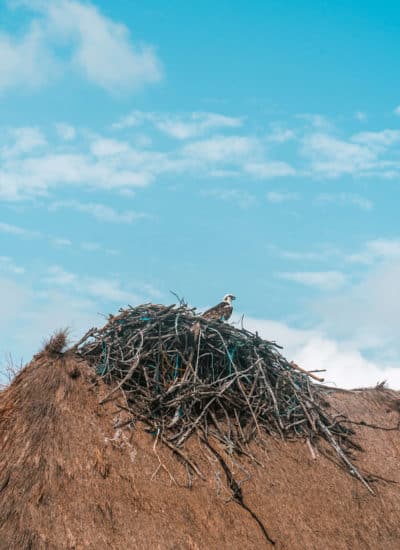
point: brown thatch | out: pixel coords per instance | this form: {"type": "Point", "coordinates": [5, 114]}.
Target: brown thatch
{"type": "Point", "coordinates": [73, 476]}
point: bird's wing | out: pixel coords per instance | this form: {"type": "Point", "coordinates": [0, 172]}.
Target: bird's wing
{"type": "Point", "coordinates": [227, 311]}
{"type": "Point", "coordinates": [215, 311]}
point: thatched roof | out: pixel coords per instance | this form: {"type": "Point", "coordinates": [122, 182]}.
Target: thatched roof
{"type": "Point", "coordinates": [72, 476]}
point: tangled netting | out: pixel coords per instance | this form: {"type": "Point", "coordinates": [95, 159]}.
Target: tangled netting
{"type": "Point", "coordinates": [182, 374]}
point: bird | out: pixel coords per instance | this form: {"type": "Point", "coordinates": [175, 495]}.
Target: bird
{"type": "Point", "coordinates": [222, 311]}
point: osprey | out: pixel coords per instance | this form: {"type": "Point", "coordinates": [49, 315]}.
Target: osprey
{"type": "Point", "coordinates": [222, 311]}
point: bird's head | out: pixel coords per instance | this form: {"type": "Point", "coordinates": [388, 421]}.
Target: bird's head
{"type": "Point", "coordinates": [229, 297]}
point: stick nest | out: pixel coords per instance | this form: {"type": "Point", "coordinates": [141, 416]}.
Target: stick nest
{"type": "Point", "coordinates": [182, 374]}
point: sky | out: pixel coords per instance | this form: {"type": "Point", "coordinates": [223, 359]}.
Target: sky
{"type": "Point", "coordinates": [204, 148]}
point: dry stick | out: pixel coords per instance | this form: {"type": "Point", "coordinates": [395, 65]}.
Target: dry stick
{"type": "Point", "coordinates": [306, 412]}
{"type": "Point", "coordinates": [335, 445]}
{"type": "Point", "coordinates": [238, 381]}
{"type": "Point", "coordinates": [374, 426]}
{"type": "Point", "coordinates": [161, 464]}
{"type": "Point", "coordinates": [89, 333]}
{"type": "Point", "coordinates": [198, 354]}
{"type": "Point", "coordinates": [128, 375]}
{"type": "Point", "coordinates": [311, 449]}
{"type": "Point", "coordinates": [183, 456]}
{"type": "Point", "coordinates": [276, 408]}
{"type": "Point", "coordinates": [193, 426]}
{"type": "Point", "coordinates": [308, 373]}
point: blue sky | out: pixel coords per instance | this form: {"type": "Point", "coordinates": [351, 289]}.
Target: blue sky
{"type": "Point", "coordinates": [204, 148]}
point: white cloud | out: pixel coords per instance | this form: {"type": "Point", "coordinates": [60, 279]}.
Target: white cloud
{"type": "Point", "coordinates": [281, 196]}
{"type": "Point", "coordinates": [376, 250]}
{"type": "Point", "coordinates": [37, 168]}
{"type": "Point", "coordinates": [198, 124]}
{"type": "Point", "coordinates": [240, 197]}
{"type": "Point", "coordinates": [97, 47]}
{"type": "Point", "coordinates": [324, 280]}
{"type": "Point", "coordinates": [35, 176]}
{"type": "Point", "coordinates": [109, 147]}
{"type": "Point", "coordinates": [16, 230]}
{"type": "Point", "coordinates": [333, 157]}
{"type": "Point", "coordinates": [222, 148]}
{"type": "Point", "coordinates": [91, 247]}
{"type": "Point", "coordinates": [8, 265]}
{"type": "Point", "coordinates": [377, 140]}
{"type": "Point", "coordinates": [280, 135]}
{"type": "Point", "coordinates": [96, 287]}
{"type": "Point", "coordinates": [61, 243]}
{"type": "Point", "coordinates": [323, 253]}
{"type": "Point", "coordinates": [397, 110]}
{"type": "Point", "coordinates": [367, 312]}
{"type": "Point", "coordinates": [101, 288]}
{"type": "Point", "coordinates": [13, 298]}
{"type": "Point", "coordinates": [66, 131]}
{"type": "Point", "coordinates": [345, 365]}
{"type": "Point", "coordinates": [361, 116]}
{"type": "Point", "coordinates": [25, 62]}
{"type": "Point", "coordinates": [317, 121]}
{"type": "Point", "coordinates": [24, 140]}
{"type": "Point", "coordinates": [385, 248]}
{"type": "Point", "coordinates": [110, 290]}
{"type": "Point", "coordinates": [101, 162]}
{"type": "Point", "coordinates": [101, 212]}
{"type": "Point", "coordinates": [59, 299]}
{"type": "Point", "coordinates": [346, 198]}
{"type": "Point", "coordinates": [363, 154]}
{"type": "Point", "coordinates": [180, 126]}
{"type": "Point", "coordinates": [267, 170]}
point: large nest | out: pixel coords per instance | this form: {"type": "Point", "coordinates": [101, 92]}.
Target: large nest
{"type": "Point", "coordinates": [182, 374]}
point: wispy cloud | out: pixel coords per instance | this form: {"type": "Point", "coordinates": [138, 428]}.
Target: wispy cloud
{"type": "Point", "coordinates": [361, 116]}
{"type": "Point", "coordinates": [17, 230]}
{"type": "Point", "coordinates": [104, 147]}
{"type": "Point", "coordinates": [96, 287]}
{"type": "Point", "coordinates": [280, 134]}
{"type": "Point", "coordinates": [180, 126]}
{"type": "Point", "coordinates": [96, 47]}
{"type": "Point", "coordinates": [222, 148]}
{"type": "Point", "coordinates": [107, 289]}
{"type": "Point", "coordinates": [269, 169]}
{"type": "Point", "coordinates": [333, 157]}
{"type": "Point", "coordinates": [8, 265]}
{"type": "Point", "coordinates": [36, 166]}
{"type": "Point", "coordinates": [345, 364]}
{"type": "Point", "coordinates": [23, 140]}
{"type": "Point", "coordinates": [345, 199]}
{"type": "Point", "coordinates": [278, 197]}
{"type": "Point", "coordinates": [363, 154]}
{"type": "Point", "coordinates": [60, 242]}
{"type": "Point", "coordinates": [25, 61]}
{"type": "Point", "coordinates": [316, 121]}
{"type": "Point", "coordinates": [242, 198]}
{"type": "Point", "coordinates": [376, 250]}
{"type": "Point", "coordinates": [97, 247]}
{"type": "Point", "coordinates": [31, 176]}
{"type": "Point", "coordinates": [319, 253]}
{"type": "Point", "coordinates": [378, 140]}
{"type": "Point", "coordinates": [67, 132]}
{"type": "Point", "coordinates": [101, 212]}
{"type": "Point", "coordinates": [324, 280]}
{"type": "Point", "coordinates": [367, 312]}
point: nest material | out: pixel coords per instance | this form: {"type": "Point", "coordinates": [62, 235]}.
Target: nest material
{"type": "Point", "coordinates": [182, 374]}
{"type": "Point", "coordinates": [56, 343]}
